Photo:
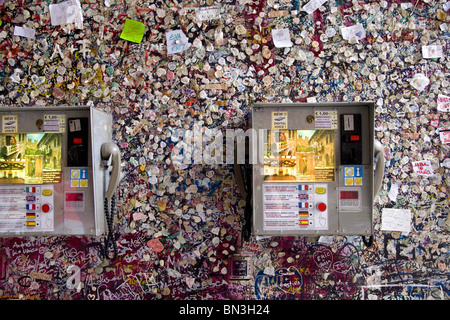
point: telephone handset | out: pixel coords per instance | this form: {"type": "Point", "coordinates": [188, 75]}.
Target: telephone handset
{"type": "Point", "coordinates": [110, 154]}
{"type": "Point", "coordinates": [379, 162]}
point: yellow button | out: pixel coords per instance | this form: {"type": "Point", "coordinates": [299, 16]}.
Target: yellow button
{"type": "Point", "coordinates": [321, 190]}
{"type": "Point", "coordinates": [47, 192]}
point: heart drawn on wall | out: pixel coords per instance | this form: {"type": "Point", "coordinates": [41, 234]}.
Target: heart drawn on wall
{"type": "Point", "coordinates": [323, 258]}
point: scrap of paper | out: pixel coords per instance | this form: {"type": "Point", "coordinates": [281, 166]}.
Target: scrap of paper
{"type": "Point", "coordinates": [420, 81]}
{"type": "Point", "coordinates": [444, 134]}
{"type": "Point", "coordinates": [432, 52]}
{"type": "Point", "coordinates": [443, 103]}
{"type": "Point", "coordinates": [396, 220]}
{"type": "Point", "coordinates": [423, 168]}
{"type": "Point", "coordinates": [133, 31]}
{"type": "Point", "coordinates": [356, 32]}
{"type": "Point", "coordinates": [281, 38]}
{"type": "Point", "coordinates": [176, 41]}
{"type": "Point", "coordinates": [207, 13]}
{"type": "Point", "coordinates": [313, 5]}
{"type": "Point", "coordinates": [446, 6]}
{"type": "Point", "coordinates": [393, 192]}
{"type": "Point", "coordinates": [66, 12]}
{"type": "Point", "coordinates": [24, 32]}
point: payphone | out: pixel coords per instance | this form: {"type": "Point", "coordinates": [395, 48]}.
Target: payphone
{"type": "Point", "coordinates": [58, 171]}
{"type": "Point", "coordinates": [313, 169]}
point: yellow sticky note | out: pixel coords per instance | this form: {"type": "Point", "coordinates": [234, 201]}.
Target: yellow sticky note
{"type": "Point", "coordinates": [133, 31]}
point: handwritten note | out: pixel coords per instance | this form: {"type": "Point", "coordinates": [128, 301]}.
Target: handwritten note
{"type": "Point", "coordinates": [355, 32]}
{"type": "Point", "coordinates": [24, 32]}
{"type": "Point", "coordinates": [423, 168]}
{"type": "Point", "coordinates": [313, 5]}
{"type": "Point", "coordinates": [396, 220]}
{"type": "Point", "coordinates": [281, 38]}
{"type": "Point", "coordinates": [443, 103]}
{"type": "Point", "coordinates": [176, 41]}
{"type": "Point", "coordinates": [444, 134]}
{"type": "Point", "coordinates": [207, 13]}
{"type": "Point", "coordinates": [133, 31]}
{"type": "Point", "coordinates": [432, 52]}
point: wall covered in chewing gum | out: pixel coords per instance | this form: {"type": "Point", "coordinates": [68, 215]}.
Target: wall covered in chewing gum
{"type": "Point", "coordinates": [162, 66]}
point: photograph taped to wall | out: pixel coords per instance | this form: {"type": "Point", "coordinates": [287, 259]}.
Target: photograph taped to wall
{"type": "Point", "coordinates": [299, 155]}
{"type": "Point", "coordinates": [27, 158]}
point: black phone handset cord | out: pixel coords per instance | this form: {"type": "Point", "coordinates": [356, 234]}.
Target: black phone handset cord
{"type": "Point", "coordinates": [110, 210]}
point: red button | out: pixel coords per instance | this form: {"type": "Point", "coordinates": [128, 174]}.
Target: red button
{"type": "Point", "coordinates": [46, 208]}
{"type": "Point", "coordinates": [354, 137]}
{"type": "Point", "coordinates": [322, 207]}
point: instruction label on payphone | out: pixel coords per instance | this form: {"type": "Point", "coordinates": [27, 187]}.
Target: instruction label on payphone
{"type": "Point", "coordinates": [293, 206]}
{"type": "Point", "coordinates": [25, 208]}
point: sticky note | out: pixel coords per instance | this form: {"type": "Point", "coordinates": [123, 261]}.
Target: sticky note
{"type": "Point", "coordinates": [133, 31]}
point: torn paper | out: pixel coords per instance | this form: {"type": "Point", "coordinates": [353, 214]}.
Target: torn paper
{"type": "Point", "coordinates": [176, 41]}
{"type": "Point", "coordinates": [420, 81]}
{"type": "Point", "coordinates": [281, 38]}
{"type": "Point", "coordinates": [313, 5]}
{"type": "Point", "coordinates": [208, 13]}
{"type": "Point", "coordinates": [66, 12]}
{"type": "Point", "coordinates": [355, 32]}
{"type": "Point", "coordinates": [432, 52]}
{"type": "Point", "coordinates": [393, 192]}
{"type": "Point", "coordinates": [24, 32]}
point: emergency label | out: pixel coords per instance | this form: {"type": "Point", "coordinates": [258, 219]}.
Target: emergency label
{"type": "Point", "coordinates": [26, 208]}
{"type": "Point", "coordinates": [293, 206]}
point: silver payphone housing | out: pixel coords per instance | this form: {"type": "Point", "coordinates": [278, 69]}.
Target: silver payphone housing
{"type": "Point", "coordinates": [314, 173]}
{"type": "Point", "coordinates": [52, 181]}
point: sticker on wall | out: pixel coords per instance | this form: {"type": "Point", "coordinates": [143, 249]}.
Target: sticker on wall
{"type": "Point", "coordinates": [325, 119]}
{"type": "Point", "coordinates": [279, 120]}
{"type": "Point", "coordinates": [79, 178]}
{"type": "Point", "coordinates": [353, 176]}
{"type": "Point", "coordinates": [9, 124]}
